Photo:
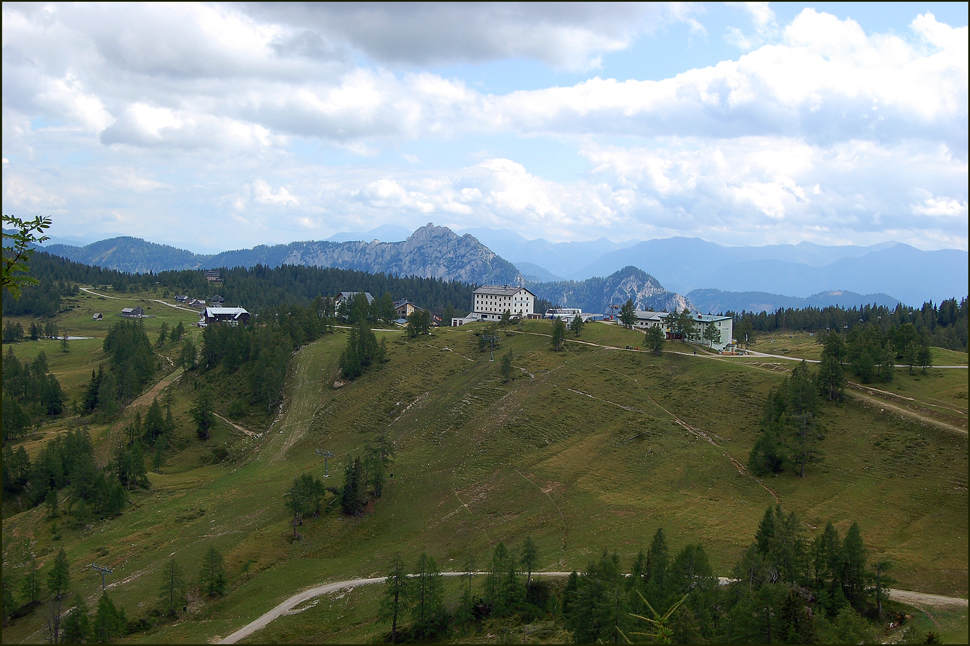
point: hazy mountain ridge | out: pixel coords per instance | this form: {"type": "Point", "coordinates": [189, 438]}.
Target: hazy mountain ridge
{"type": "Point", "coordinates": [129, 254]}
{"type": "Point", "coordinates": [715, 301]}
{"type": "Point", "coordinates": [904, 272]}
{"type": "Point", "coordinates": [597, 294]}
{"type": "Point", "coordinates": [429, 252]}
{"type": "Point", "coordinates": [780, 275]}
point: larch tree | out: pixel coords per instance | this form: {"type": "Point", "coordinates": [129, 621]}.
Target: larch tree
{"type": "Point", "coordinates": [628, 314]}
{"type": "Point", "coordinates": [577, 324]}
{"type": "Point", "coordinates": [529, 558]}
{"type": "Point", "coordinates": [172, 593]}
{"type": "Point", "coordinates": [558, 334]}
{"type": "Point", "coordinates": [212, 576]}
{"type": "Point", "coordinates": [396, 597]}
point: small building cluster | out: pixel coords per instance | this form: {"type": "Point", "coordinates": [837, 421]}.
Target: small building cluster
{"type": "Point", "coordinates": [724, 325]}
{"type": "Point", "coordinates": [133, 312]}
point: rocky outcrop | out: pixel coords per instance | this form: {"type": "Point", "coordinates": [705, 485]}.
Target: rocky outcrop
{"type": "Point", "coordinates": [597, 294]}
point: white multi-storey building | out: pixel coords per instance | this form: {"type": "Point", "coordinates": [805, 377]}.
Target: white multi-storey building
{"type": "Point", "coordinates": [491, 301]}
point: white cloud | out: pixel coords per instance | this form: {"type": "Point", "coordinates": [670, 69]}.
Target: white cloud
{"type": "Point", "coordinates": [264, 194]}
{"type": "Point", "coordinates": [820, 128]}
{"type": "Point", "coordinates": [940, 207]}
{"type": "Point", "coordinates": [570, 36]}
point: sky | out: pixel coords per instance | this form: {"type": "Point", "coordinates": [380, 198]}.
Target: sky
{"type": "Point", "coordinates": [223, 126]}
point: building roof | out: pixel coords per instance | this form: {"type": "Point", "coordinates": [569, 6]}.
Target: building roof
{"type": "Point", "coordinates": [660, 316]}
{"type": "Point", "coordinates": [344, 296]}
{"type": "Point", "coordinates": [501, 290]}
{"type": "Point", "coordinates": [235, 312]}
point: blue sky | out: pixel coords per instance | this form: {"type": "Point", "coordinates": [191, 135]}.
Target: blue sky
{"type": "Point", "coordinates": [222, 126]}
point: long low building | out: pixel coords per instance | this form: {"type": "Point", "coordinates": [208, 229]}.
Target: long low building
{"type": "Point", "coordinates": [723, 324]}
{"type": "Point", "coordinates": [228, 315]}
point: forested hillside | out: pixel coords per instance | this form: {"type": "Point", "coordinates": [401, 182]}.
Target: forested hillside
{"type": "Point", "coordinates": [943, 325]}
{"type": "Point", "coordinates": [256, 289]}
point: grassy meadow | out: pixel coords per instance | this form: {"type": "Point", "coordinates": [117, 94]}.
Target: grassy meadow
{"type": "Point", "coordinates": [586, 449]}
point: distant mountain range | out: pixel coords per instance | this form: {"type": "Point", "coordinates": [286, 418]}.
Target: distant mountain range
{"type": "Point", "coordinates": [686, 264]}
{"type": "Point", "coordinates": [429, 252]}
{"type": "Point", "coordinates": [715, 301]}
{"type": "Point", "coordinates": [714, 277]}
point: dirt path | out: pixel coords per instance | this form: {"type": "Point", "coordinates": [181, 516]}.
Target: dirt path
{"type": "Point", "coordinates": [93, 293]}
{"type": "Point", "coordinates": [174, 307]}
{"type": "Point", "coordinates": [146, 398]}
{"type": "Point", "coordinates": [287, 607]}
{"type": "Point", "coordinates": [902, 410]}
{"type": "Point", "coordinates": [237, 426]}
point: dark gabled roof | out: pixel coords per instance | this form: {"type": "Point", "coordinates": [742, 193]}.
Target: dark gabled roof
{"type": "Point", "coordinates": [348, 295]}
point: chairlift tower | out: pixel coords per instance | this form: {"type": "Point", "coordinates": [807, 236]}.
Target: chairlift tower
{"type": "Point", "coordinates": [104, 571]}
{"type": "Point", "coordinates": [491, 338]}
{"type": "Point", "coordinates": [326, 456]}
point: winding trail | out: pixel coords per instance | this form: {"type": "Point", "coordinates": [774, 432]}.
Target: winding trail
{"type": "Point", "coordinates": [287, 607]}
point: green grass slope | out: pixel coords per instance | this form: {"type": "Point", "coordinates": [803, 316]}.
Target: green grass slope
{"type": "Point", "coordinates": [586, 449]}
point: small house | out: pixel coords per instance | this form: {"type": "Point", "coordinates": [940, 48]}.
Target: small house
{"type": "Point", "coordinates": [97, 316]}
{"type": "Point", "coordinates": [404, 308]}
{"type": "Point", "coordinates": [344, 297]}
{"type": "Point", "coordinates": [181, 298]}
{"type": "Point", "coordinates": [133, 312]}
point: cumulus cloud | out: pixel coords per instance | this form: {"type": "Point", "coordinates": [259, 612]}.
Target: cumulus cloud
{"type": "Point", "coordinates": [571, 36]}
{"type": "Point", "coordinates": [818, 128]}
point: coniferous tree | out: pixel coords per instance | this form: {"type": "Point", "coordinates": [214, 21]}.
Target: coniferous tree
{"type": "Point", "coordinates": [109, 621]}
{"type": "Point", "coordinates": [558, 334]}
{"type": "Point", "coordinates": [826, 556]}
{"type": "Point", "coordinates": [303, 498]}
{"type": "Point", "coordinates": [658, 560]}
{"type": "Point", "coordinates": [654, 339]}
{"type": "Point", "coordinates": [162, 335]}
{"type": "Point", "coordinates": [628, 314]}
{"type": "Point", "coordinates": [202, 413]}
{"type": "Point", "coordinates": [172, 593]}
{"type": "Point", "coordinates": [396, 598]}
{"type": "Point", "coordinates": [577, 324]}
{"type": "Point", "coordinates": [427, 597]}
{"type": "Point", "coordinates": [854, 567]}
{"type": "Point", "coordinates": [30, 587]}
{"type": "Point", "coordinates": [880, 580]}
{"type": "Point", "coordinates": [153, 426]}
{"type": "Point", "coordinates": [505, 368]}
{"type": "Point", "coordinates": [212, 576]}
{"type": "Point", "coordinates": [803, 432]}
{"type": "Point", "coordinates": [77, 625]}
{"type": "Point", "coordinates": [529, 558]}
{"type": "Point", "coordinates": [465, 612]}
{"type": "Point", "coordinates": [353, 495]}
{"type": "Point", "coordinates": [58, 583]}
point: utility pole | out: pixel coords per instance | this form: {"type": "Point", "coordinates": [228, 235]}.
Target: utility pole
{"type": "Point", "coordinates": [103, 570]}
{"type": "Point", "coordinates": [326, 455]}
